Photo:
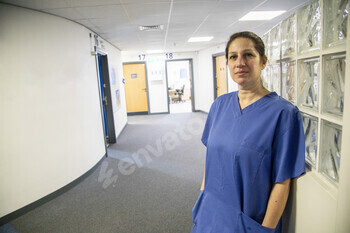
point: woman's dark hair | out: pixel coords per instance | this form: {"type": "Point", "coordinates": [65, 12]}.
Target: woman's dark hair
{"type": "Point", "coordinates": [258, 43]}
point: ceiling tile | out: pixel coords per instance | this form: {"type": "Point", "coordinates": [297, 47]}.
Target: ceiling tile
{"type": "Point", "coordinates": [110, 23]}
{"type": "Point", "coordinates": [69, 13]}
{"type": "Point", "coordinates": [38, 4]}
{"type": "Point", "coordinates": [118, 20]}
{"type": "Point", "coordinates": [148, 9]}
{"type": "Point", "coordinates": [145, 1]}
{"type": "Point", "coordinates": [200, 1]}
{"type": "Point", "coordinates": [81, 3]}
{"type": "Point", "coordinates": [150, 20]}
{"type": "Point", "coordinates": [109, 11]}
{"type": "Point", "coordinates": [236, 7]}
{"type": "Point", "coordinates": [187, 19]}
{"type": "Point", "coordinates": [281, 5]}
{"type": "Point", "coordinates": [195, 9]}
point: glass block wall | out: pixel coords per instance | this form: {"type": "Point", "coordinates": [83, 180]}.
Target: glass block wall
{"type": "Point", "coordinates": [307, 60]}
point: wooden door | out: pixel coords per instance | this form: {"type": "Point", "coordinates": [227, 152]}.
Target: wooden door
{"type": "Point", "coordinates": [135, 88]}
{"type": "Point", "coordinates": [221, 77]}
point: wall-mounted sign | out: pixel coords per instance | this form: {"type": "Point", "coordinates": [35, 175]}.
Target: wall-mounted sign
{"type": "Point", "coordinates": [133, 75]}
{"type": "Point", "coordinates": [117, 94]}
{"type": "Point", "coordinates": [142, 57]}
{"type": "Point", "coordinates": [112, 76]}
{"type": "Point", "coordinates": [169, 56]}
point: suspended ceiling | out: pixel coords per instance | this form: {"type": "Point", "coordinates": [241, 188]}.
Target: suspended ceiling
{"type": "Point", "coordinates": [118, 21]}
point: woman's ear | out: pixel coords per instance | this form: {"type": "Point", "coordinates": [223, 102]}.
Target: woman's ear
{"type": "Point", "coordinates": [264, 62]}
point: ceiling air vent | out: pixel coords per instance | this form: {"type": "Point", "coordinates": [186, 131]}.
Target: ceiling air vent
{"type": "Point", "coordinates": [152, 28]}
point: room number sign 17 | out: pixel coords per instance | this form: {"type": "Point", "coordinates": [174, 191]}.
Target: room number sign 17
{"type": "Point", "coordinates": [142, 57]}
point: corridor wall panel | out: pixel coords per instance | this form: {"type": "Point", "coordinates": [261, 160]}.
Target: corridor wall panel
{"type": "Point", "coordinates": [51, 126]}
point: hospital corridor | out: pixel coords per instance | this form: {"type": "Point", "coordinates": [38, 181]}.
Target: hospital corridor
{"type": "Point", "coordinates": [127, 116]}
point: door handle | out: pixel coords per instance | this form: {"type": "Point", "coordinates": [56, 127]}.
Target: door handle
{"type": "Point", "coordinates": [105, 100]}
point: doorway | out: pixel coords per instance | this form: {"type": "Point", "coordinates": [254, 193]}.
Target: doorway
{"type": "Point", "coordinates": [106, 100]}
{"type": "Point", "coordinates": [179, 74]}
{"type": "Point", "coordinates": [220, 75]}
{"type": "Point", "coordinates": [136, 89]}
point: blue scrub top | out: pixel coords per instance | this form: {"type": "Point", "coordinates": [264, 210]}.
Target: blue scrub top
{"type": "Point", "coordinates": [248, 151]}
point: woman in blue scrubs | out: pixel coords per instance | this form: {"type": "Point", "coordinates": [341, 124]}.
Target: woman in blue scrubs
{"type": "Point", "coordinates": [255, 146]}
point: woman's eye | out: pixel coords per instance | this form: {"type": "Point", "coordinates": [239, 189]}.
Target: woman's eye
{"type": "Point", "coordinates": [233, 57]}
{"type": "Point", "coordinates": [249, 55]}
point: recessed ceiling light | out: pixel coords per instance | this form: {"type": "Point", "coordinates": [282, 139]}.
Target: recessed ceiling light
{"type": "Point", "coordinates": [155, 51]}
{"type": "Point", "coordinates": [261, 15]}
{"type": "Point", "coordinates": [200, 39]}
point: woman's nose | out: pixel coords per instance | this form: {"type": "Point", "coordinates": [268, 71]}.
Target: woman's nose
{"type": "Point", "coordinates": [240, 61]}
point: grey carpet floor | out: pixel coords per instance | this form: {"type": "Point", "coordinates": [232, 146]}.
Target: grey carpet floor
{"type": "Point", "coordinates": [148, 184]}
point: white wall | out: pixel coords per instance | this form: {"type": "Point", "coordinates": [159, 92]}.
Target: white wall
{"type": "Point", "coordinates": [205, 76]}
{"type": "Point", "coordinates": [175, 81]}
{"type": "Point", "coordinates": [311, 206]}
{"type": "Point", "coordinates": [157, 87]}
{"type": "Point", "coordinates": [50, 121]}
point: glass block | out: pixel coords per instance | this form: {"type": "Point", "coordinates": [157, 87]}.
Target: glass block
{"type": "Point", "coordinates": [333, 84]}
{"type": "Point", "coordinates": [335, 21]}
{"type": "Point", "coordinates": [266, 39]}
{"type": "Point", "coordinates": [275, 84]}
{"type": "Point", "coordinates": [275, 43]}
{"type": "Point", "coordinates": [288, 80]}
{"type": "Point", "coordinates": [330, 150]}
{"type": "Point", "coordinates": [309, 35]}
{"type": "Point", "coordinates": [288, 35]}
{"type": "Point", "coordinates": [310, 124]}
{"type": "Point", "coordinates": [308, 73]}
{"type": "Point", "coordinates": [266, 77]}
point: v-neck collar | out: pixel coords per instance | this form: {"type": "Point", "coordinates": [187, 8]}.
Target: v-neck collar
{"type": "Point", "coordinates": [237, 109]}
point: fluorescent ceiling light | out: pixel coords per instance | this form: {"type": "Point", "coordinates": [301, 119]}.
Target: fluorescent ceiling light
{"type": "Point", "coordinates": [155, 51]}
{"type": "Point", "coordinates": [200, 39]}
{"type": "Point", "coordinates": [261, 15]}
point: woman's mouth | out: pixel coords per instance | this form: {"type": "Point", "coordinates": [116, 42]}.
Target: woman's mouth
{"type": "Point", "coordinates": [241, 72]}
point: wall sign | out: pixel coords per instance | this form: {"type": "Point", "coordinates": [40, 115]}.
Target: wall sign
{"type": "Point", "coordinates": [142, 57]}
{"type": "Point", "coordinates": [169, 55]}
{"type": "Point", "coordinates": [117, 94]}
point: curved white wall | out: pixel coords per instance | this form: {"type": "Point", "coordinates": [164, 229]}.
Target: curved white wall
{"type": "Point", "coordinates": [50, 122]}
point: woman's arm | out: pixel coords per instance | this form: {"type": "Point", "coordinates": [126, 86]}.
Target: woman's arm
{"type": "Point", "coordinates": [277, 202]}
{"type": "Point", "coordinates": [202, 187]}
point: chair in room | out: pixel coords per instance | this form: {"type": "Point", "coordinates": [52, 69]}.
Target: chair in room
{"type": "Point", "coordinates": [180, 93]}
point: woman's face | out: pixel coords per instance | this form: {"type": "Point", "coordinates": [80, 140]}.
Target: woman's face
{"type": "Point", "coordinates": [245, 63]}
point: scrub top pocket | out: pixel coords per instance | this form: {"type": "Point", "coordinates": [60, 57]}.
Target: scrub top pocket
{"type": "Point", "coordinates": [245, 224]}
{"type": "Point", "coordinates": [248, 159]}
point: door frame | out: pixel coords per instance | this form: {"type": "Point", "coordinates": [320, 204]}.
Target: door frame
{"type": "Point", "coordinates": [110, 125]}
{"type": "Point", "coordinates": [190, 62]}
{"type": "Point", "coordinates": [147, 88]}
{"type": "Point", "coordinates": [214, 74]}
